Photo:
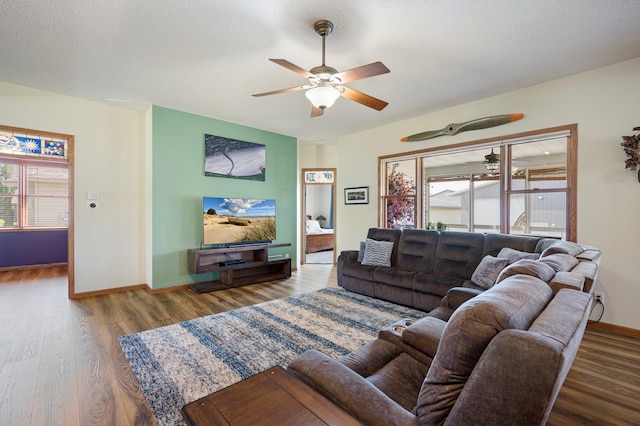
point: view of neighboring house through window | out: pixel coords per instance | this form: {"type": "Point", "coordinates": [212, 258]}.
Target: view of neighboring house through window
{"type": "Point", "coordinates": [34, 182]}
{"type": "Point", "coordinates": [517, 185]}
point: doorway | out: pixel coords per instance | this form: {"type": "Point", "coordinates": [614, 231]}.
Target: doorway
{"type": "Point", "coordinates": [36, 200]}
{"type": "Point", "coordinates": [318, 216]}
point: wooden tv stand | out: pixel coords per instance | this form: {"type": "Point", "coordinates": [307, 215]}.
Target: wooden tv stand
{"type": "Point", "coordinates": [255, 267]}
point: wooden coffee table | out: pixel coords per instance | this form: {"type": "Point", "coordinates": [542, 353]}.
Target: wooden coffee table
{"type": "Point", "coordinates": [273, 397]}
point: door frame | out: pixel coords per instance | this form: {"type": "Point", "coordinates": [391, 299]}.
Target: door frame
{"type": "Point", "coordinates": [303, 208]}
{"type": "Point", "coordinates": [71, 176]}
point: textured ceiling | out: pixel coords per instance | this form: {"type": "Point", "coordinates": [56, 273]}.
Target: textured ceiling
{"type": "Point", "coordinates": [208, 56]}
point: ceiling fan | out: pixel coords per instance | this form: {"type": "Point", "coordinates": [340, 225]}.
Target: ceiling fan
{"type": "Point", "coordinates": [492, 161]}
{"type": "Point", "coordinates": [326, 84]}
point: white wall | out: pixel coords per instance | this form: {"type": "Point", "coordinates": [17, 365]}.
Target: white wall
{"type": "Point", "coordinates": [319, 201]}
{"type": "Point", "coordinates": [604, 104]}
{"type": "Point", "coordinates": [312, 156]}
{"type": "Point", "coordinates": [109, 244]}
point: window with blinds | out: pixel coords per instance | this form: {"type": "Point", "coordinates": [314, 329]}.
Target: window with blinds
{"type": "Point", "coordinates": [34, 180]}
{"type": "Point", "coordinates": [33, 194]}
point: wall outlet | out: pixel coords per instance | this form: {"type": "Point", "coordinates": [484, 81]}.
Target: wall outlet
{"type": "Point", "coordinates": [599, 296]}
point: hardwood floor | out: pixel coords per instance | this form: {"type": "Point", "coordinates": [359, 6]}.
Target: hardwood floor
{"type": "Point", "coordinates": [61, 363]}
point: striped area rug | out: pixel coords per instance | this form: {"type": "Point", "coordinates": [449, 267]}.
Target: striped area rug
{"type": "Point", "coordinates": [180, 363]}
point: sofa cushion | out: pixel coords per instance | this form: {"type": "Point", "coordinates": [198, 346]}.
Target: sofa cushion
{"type": "Point", "coordinates": [358, 270]}
{"type": "Point", "coordinates": [493, 243]}
{"type": "Point", "coordinates": [514, 255]}
{"type": "Point", "coordinates": [434, 284]}
{"type": "Point", "coordinates": [560, 261]}
{"type": "Point", "coordinates": [589, 270]}
{"type": "Point", "coordinates": [558, 321]}
{"type": "Point", "coordinates": [377, 253]}
{"type": "Point", "coordinates": [394, 277]}
{"type": "Point", "coordinates": [385, 366]}
{"type": "Point", "coordinates": [417, 250]}
{"type": "Point", "coordinates": [570, 280]}
{"type": "Point", "coordinates": [371, 357]}
{"type": "Point", "coordinates": [533, 268]}
{"type": "Point", "coordinates": [470, 285]}
{"type": "Point", "coordinates": [458, 254]}
{"type": "Point", "coordinates": [566, 247]}
{"type": "Point", "coordinates": [590, 254]}
{"type": "Point", "coordinates": [513, 304]}
{"type": "Point", "coordinates": [488, 270]}
{"type": "Point", "coordinates": [348, 389]}
{"type": "Point", "coordinates": [400, 380]}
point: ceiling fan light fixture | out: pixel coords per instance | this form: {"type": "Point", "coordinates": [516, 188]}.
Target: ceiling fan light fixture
{"type": "Point", "coordinates": [492, 167]}
{"type": "Point", "coordinates": [322, 96]}
{"type": "Point", "coordinates": [492, 161]}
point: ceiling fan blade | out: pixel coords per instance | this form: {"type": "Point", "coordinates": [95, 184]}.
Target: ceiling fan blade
{"type": "Point", "coordinates": [363, 99]}
{"type": "Point", "coordinates": [290, 89]}
{"type": "Point", "coordinates": [293, 67]}
{"type": "Point", "coordinates": [365, 71]}
{"type": "Point", "coordinates": [316, 112]}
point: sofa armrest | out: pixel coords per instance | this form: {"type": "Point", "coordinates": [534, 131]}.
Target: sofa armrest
{"type": "Point", "coordinates": [458, 295]}
{"type": "Point", "coordinates": [345, 257]}
{"type": "Point", "coordinates": [470, 284]}
{"type": "Point", "coordinates": [569, 280]}
{"type": "Point", "coordinates": [349, 390]}
{"type": "Point", "coordinates": [424, 335]}
{"type": "Point", "coordinates": [349, 255]}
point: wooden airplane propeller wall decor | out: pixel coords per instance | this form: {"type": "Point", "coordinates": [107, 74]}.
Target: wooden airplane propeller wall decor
{"type": "Point", "coordinates": [455, 128]}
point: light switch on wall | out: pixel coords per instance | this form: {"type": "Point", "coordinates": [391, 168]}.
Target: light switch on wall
{"type": "Point", "coordinates": [92, 195]}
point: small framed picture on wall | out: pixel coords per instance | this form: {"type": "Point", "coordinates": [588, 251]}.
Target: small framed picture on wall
{"type": "Point", "coordinates": [357, 195]}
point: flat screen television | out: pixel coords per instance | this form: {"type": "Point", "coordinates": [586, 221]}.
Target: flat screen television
{"type": "Point", "coordinates": [234, 221]}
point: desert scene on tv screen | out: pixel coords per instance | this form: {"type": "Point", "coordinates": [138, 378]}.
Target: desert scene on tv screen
{"type": "Point", "coordinates": [238, 220]}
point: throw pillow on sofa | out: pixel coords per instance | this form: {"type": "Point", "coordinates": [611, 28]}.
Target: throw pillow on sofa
{"type": "Point", "coordinates": [363, 247]}
{"type": "Point", "coordinates": [514, 255]}
{"type": "Point", "coordinates": [488, 270]}
{"type": "Point", "coordinates": [377, 253]}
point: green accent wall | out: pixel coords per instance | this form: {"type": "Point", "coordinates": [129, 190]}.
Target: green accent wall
{"type": "Point", "coordinates": [179, 184]}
